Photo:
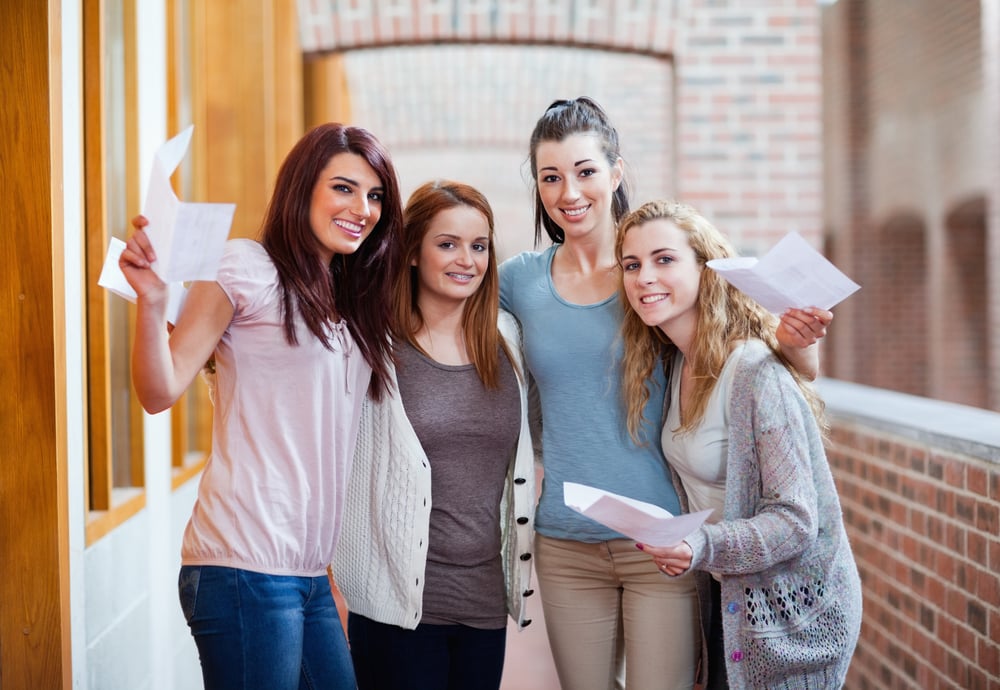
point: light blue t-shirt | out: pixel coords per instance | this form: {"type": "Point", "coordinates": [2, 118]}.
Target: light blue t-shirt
{"type": "Point", "coordinates": [574, 354]}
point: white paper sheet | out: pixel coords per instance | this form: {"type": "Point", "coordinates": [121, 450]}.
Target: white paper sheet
{"type": "Point", "coordinates": [113, 279]}
{"type": "Point", "coordinates": [792, 274]}
{"type": "Point", "coordinates": [644, 522]}
{"type": "Point", "coordinates": [188, 237]}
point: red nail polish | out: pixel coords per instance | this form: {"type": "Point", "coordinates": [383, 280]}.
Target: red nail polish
{"type": "Point", "coordinates": [639, 546]}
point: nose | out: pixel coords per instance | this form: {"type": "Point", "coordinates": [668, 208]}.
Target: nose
{"type": "Point", "coordinates": [646, 274]}
{"type": "Point", "coordinates": [361, 207]}
{"type": "Point", "coordinates": [570, 189]}
{"type": "Point", "coordinates": [464, 257]}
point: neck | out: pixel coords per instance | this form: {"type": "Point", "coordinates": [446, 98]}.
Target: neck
{"type": "Point", "coordinates": [441, 336]}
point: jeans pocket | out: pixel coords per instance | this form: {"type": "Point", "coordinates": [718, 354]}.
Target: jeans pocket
{"type": "Point", "coordinates": [187, 589]}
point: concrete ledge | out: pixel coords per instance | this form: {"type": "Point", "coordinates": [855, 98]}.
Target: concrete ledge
{"type": "Point", "coordinates": [948, 426]}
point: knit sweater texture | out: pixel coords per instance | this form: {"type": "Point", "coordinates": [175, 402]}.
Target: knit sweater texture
{"type": "Point", "coordinates": [382, 554]}
{"type": "Point", "coordinates": [790, 590]}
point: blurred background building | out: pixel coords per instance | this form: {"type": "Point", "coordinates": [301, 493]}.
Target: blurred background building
{"type": "Point", "coordinates": [871, 127]}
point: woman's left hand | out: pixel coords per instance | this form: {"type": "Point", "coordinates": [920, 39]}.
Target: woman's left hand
{"type": "Point", "coordinates": [670, 560]}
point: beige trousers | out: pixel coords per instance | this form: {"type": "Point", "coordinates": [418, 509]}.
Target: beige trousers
{"type": "Point", "coordinates": [606, 598]}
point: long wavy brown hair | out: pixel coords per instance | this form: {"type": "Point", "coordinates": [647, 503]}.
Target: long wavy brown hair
{"type": "Point", "coordinates": [725, 316]}
{"type": "Point", "coordinates": [479, 319]}
{"type": "Point", "coordinates": [353, 286]}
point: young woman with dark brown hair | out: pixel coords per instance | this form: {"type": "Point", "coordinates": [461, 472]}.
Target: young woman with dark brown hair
{"type": "Point", "coordinates": [296, 325]}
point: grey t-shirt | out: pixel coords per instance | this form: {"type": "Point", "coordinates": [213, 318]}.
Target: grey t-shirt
{"type": "Point", "coordinates": [469, 434]}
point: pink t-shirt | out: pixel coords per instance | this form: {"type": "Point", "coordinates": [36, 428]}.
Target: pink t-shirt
{"type": "Point", "coordinates": [284, 430]}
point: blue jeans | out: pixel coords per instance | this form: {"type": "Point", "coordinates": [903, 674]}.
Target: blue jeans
{"type": "Point", "coordinates": [271, 632]}
{"type": "Point", "coordinates": [432, 657]}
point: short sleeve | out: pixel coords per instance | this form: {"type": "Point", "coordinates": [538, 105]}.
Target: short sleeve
{"type": "Point", "coordinates": [247, 276]}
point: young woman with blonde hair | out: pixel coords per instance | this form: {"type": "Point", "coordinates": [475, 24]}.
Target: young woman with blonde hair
{"type": "Point", "coordinates": [742, 432]}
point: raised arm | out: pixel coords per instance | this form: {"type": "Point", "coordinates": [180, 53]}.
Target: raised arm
{"type": "Point", "coordinates": [798, 334]}
{"type": "Point", "coordinates": [164, 364]}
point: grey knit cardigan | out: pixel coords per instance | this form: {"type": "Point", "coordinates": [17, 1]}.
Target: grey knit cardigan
{"type": "Point", "coordinates": [790, 591]}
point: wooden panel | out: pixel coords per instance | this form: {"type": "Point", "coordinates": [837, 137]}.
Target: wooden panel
{"type": "Point", "coordinates": [327, 97]}
{"type": "Point", "coordinates": [34, 619]}
{"type": "Point", "coordinates": [247, 104]}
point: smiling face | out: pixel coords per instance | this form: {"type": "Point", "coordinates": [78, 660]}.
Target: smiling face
{"type": "Point", "coordinates": [661, 276]}
{"type": "Point", "coordinates": [346, 204]}
{"type": "Point", "coordinates": [454, 255]}
{"type": "Point", "coordinates": [576, 184]}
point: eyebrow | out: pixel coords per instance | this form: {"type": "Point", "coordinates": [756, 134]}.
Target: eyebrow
{"type": "Point", "coordinates": [355, 183]}
{"type": "Point", "coordinates": [481, 238]}
{"type": "Point", "coordinates": [579, 162]}
{"type": "Point", "coordinates": [652, 253]}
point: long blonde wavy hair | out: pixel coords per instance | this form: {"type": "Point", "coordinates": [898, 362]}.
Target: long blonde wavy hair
{"type": "Point", "coordinates": [726, 316]}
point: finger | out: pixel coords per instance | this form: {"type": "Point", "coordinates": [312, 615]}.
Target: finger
{"type": "Point", "coordinates": [139, 222]}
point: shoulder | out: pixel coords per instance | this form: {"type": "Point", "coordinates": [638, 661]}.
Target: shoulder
{"type": "Point", "coordinates": [246, 272]}
{"type": "Point", "coordinates": [245, 247]}
{"type": "Point", "coordinates": [508, 326]}
{"type": "Point", "coordinates": [525, 262]}
{"type": "Point", "coordinates": [754, 358]}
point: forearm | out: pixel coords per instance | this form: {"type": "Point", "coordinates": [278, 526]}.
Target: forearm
{"type": "Point", "coordinates": [153, 373]}
{"type": "Point", "coordinates": [804, 359]}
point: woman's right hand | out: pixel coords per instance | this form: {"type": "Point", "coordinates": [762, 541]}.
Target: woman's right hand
{"type": "Point", "coordinates": [136, 262]}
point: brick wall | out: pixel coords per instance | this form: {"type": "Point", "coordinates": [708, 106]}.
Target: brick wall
{"type": "Point", "coordinates": [919, 483]}
{"type": "Point", "coordinates": [909, 137]}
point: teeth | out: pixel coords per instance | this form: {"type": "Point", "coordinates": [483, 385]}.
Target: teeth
{"type": "Point", "coordinates": [350, 227]}
{"type": "Point", "coordinates": [575, 211]}
{"type": "Point", "coordinates": [460, 276]}
{"type": "Point", "coordinates": [650, 299]}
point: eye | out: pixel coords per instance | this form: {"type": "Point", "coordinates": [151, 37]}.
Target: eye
{"type": "Point", "coordinates": [447, 244]}
{"type": "Point", "coordinates": [630, 266]}
{"type": "Point", "coordinates": [664, 259]}
{"type": "Point", "coordinates": [342, 188]}
{"type": "Point", "coordinates": [479, 247]}
{"type": "Point", "coordinates": [550, 178]}
{"type": "Point", "coordinates": [587, 172]}
{"type": "Point", "coordinates": [376, 196]}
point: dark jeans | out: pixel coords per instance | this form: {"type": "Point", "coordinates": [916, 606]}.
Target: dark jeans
{"type": "Point", "coordinates": [432, 657]}
{"type": "Point", "coordinates": [717, 677]}
{"type": "Point", "coordinates": [272, 632]}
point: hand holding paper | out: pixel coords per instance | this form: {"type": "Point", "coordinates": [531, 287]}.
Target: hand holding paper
{"type": "Point", "coordinates": [644, 522]}
{"type": "Point", "coordinates": [791, 275]}
{"type": "Point", "coordinates": [188, 238]}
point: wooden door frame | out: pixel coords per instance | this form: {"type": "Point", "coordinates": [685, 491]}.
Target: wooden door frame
{"type": "Point", "coordinates": [34, 529]}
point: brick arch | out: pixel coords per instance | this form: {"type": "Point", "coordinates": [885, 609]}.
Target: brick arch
{"type": "Point", "coordinates": [332, 25]}
{"type": "Point", "coordinates": [895, 355]}
{"type": "Point", "coordinates": [965, 322]}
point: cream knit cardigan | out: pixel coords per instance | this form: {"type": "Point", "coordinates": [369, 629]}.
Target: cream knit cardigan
{"type": "Point", "coordinates": [380, 559]}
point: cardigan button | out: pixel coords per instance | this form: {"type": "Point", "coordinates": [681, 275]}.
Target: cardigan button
{"type": "Point", "coordinates": [732, 607]}
{"type": "Point", "coordinates": [525, 623]}
{"type": "Point", "coordinates": [528, 592]}
{"type": "Point", "coordinates": [522, 521]}
{"type": "Point", "coordinates": [525, 556]}
{"type": "Point", "coordinates": [520, 480]}
{"type": "Point", "coordinates": [737, 656]}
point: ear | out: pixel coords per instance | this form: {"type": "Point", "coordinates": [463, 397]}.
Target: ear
{"type": "Point", "coordinates": [617, 173]}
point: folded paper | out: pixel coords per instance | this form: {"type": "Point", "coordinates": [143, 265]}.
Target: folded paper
{"type": "Point", "coordinates": [791, 275]}
{"type": "Point", "coordinates": [644, 522]}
